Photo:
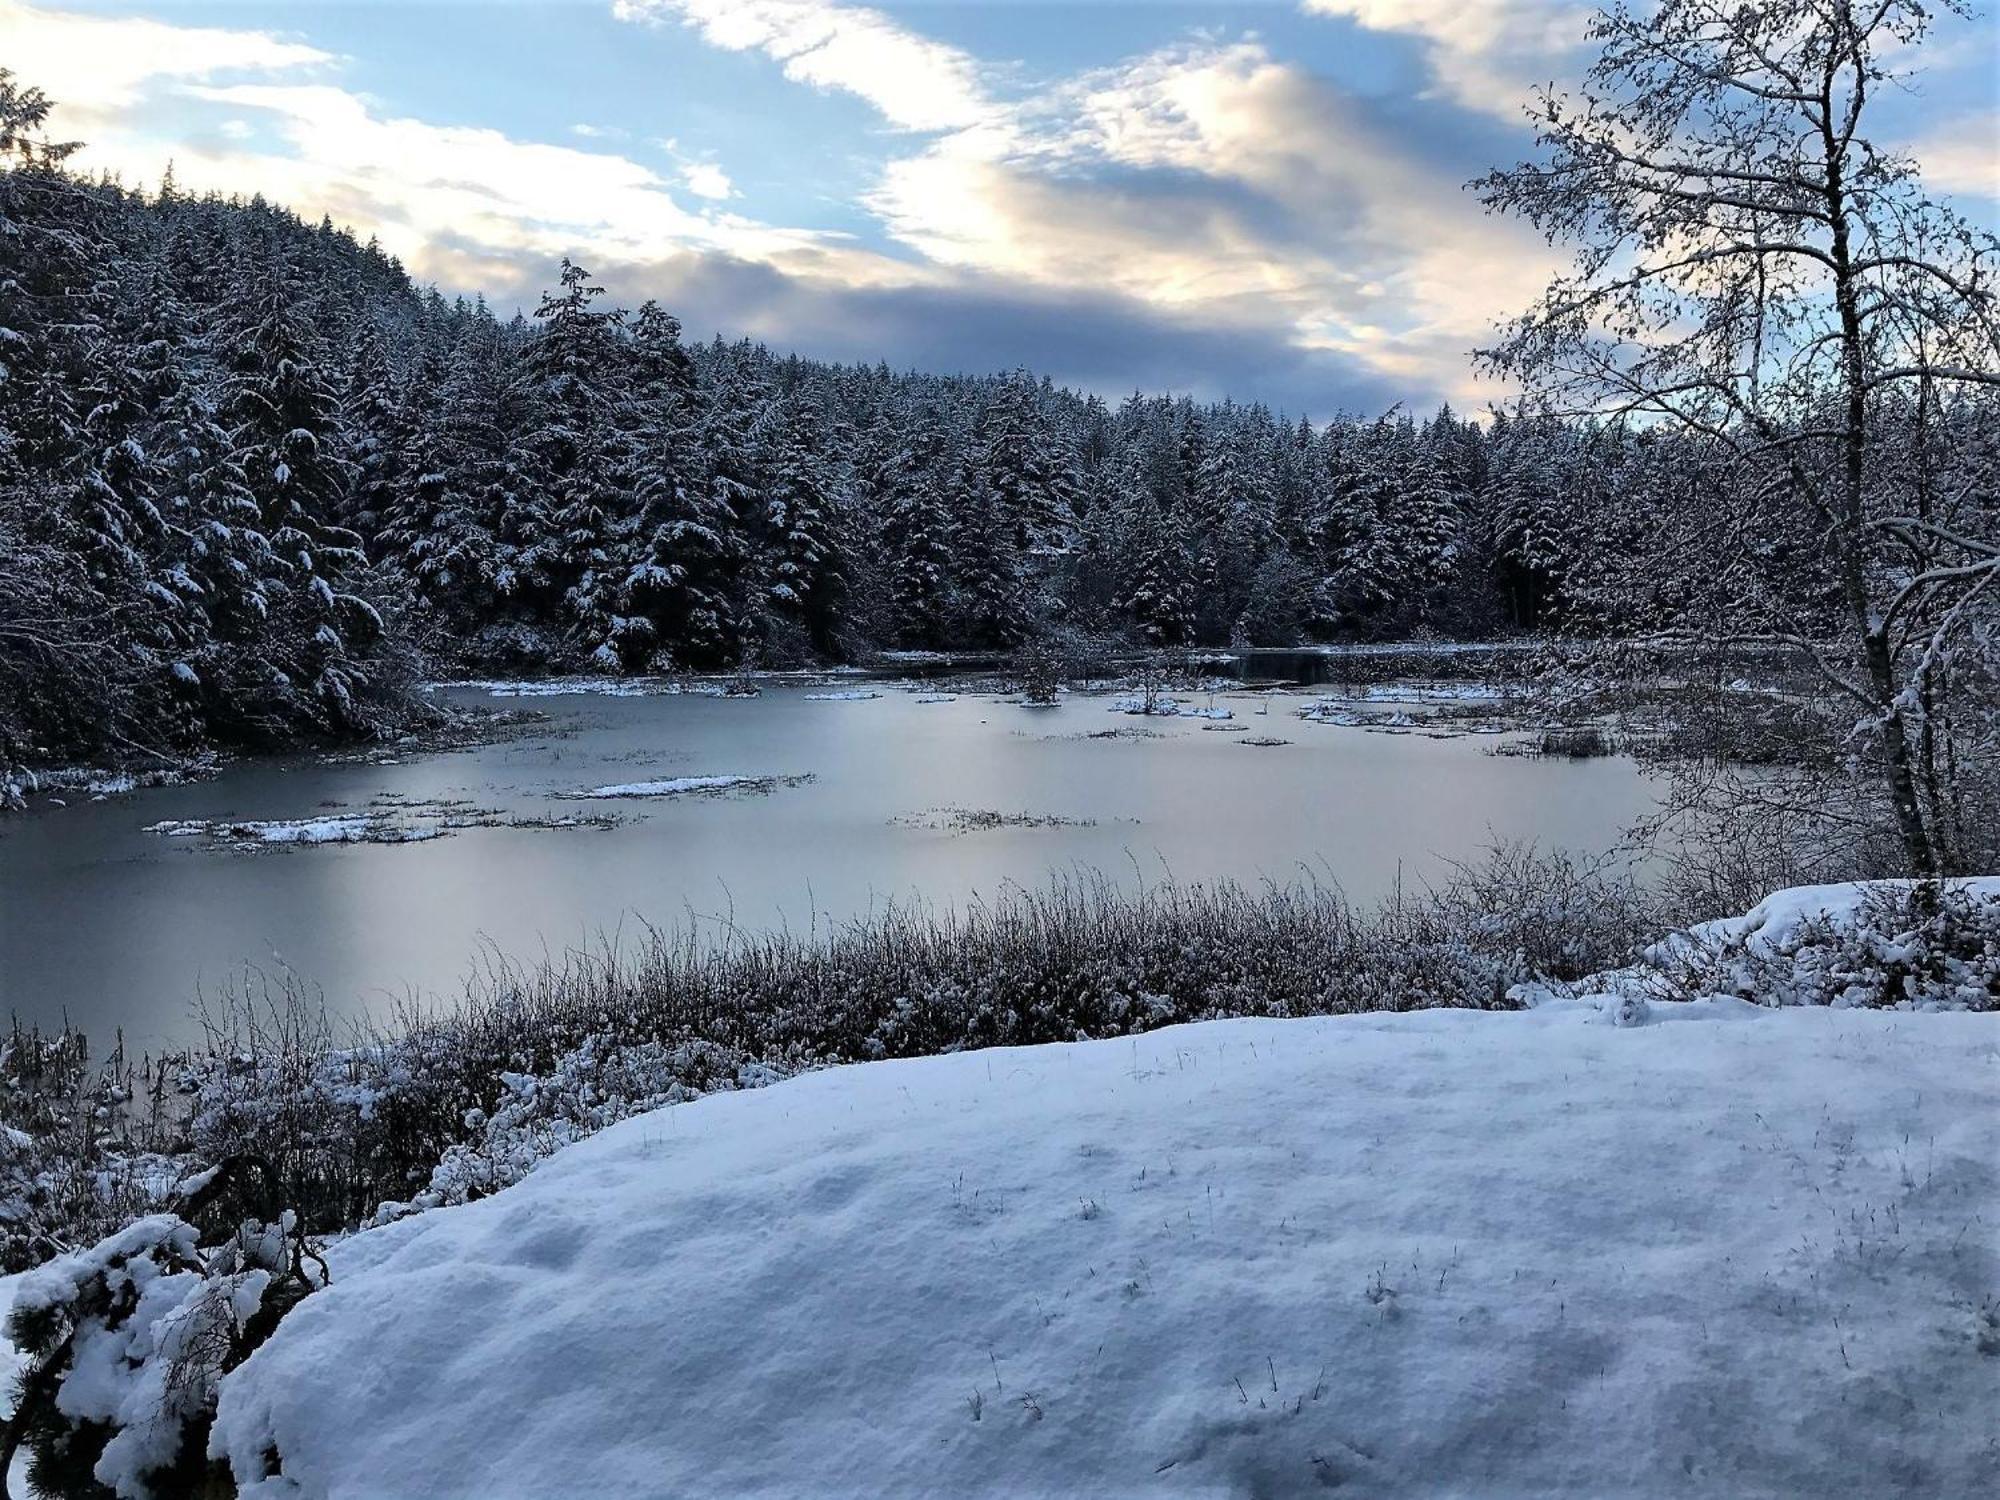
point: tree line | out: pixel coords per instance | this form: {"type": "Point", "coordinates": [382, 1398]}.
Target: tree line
{"type": "Point", "coordinates": [251, 475]}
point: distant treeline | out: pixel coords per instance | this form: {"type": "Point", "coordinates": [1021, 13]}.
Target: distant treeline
{"type": "Point", "coordinates": [251, 475]}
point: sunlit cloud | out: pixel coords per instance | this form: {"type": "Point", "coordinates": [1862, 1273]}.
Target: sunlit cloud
{"type": "Point", "coordinates": [914, 82]}
{"type": "Point", "coordinates": [1962, 155]}
{"type": "Point", "coordinates": [1213, 177]}
{"type": "Point", "coordinates": [1487, 55]}
{"type": "Point", "coordinates": [1218, 203]}
{"type": "Point", "coordinates": [97, 66]}
{"type": "Point", "coordinates": [706, 180]}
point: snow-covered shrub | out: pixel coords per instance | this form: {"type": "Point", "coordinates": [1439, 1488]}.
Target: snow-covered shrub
{"type": "Point", "coordinates": [589, 1088]}
{"type": "Point", "coordinates": [1563, 917]}
{"type": "Point", "coordinates": [74, 1159]}
{"type": "Point", "coordinates": [1865, 943]}
{"type": "Point", "coordinates": [1037, 669]}
{"type": "Point", "coordinates": [128, 1341]}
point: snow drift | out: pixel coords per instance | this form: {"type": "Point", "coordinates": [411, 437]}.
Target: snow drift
{"type": "Point", "coordinates": [1441, 1253]}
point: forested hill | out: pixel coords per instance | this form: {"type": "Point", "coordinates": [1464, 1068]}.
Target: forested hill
{"type": "Point", "coordinates": [251, 476]}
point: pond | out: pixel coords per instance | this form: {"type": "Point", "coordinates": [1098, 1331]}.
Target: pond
{"type": "Point", "coordinates": [118, 913]}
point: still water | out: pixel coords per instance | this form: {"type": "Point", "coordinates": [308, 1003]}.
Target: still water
{"type": "Point", "coordinates": [111, 926]}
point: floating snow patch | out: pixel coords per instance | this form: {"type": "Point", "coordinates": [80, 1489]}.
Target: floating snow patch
{"type": "Point", "coordinates": [347, 828]}
{"type": "Point", "coordinates": [1169, 708]}
{"type": "Point", "coordinates": [1442, 1253]}
{"type": "Point", "coordinates": [683, 786]}
{"type": "Point", "coordinates": [389, 820]}
{"type": "Point", "coordinates": [844, 695]}
{"type": "Point", "coordinates": [1339, 712]}
{"type": "Point", "coordinates": [983, 820]}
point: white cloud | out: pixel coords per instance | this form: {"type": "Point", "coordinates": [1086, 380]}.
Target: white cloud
{"type": "Point", "coordinates": [1488, 55]}
{"type": "Point", "coordinates": [1213, 179]}
{"type": "Point", "coordinates": [1962, 155]}
{"type": "Point", "coordinates": [706, 180]}
{"type": "Point", "coordinates": [914, 82]}
{"type": "Point", "coordinates": [94, 66]}
{"type": "Point", "coordinates": [419, 185]}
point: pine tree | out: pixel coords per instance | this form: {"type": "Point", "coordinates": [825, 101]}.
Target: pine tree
{"type": "Point", "coordinates": [920, 581]}
{"type": "Point", "coordinates": [556, 552]}
{"type": "Point", "coordinates": [986, 582]}
{"type": "Point", "coordinates": [806, 580]}
{"type": "Point", "coordinates": [680, 592]}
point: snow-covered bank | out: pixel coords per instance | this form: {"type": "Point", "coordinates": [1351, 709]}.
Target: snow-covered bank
{"type": "Point", "coordinates": [1444, 1253]}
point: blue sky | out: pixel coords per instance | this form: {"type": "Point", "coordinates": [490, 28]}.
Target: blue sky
{"type": "Point", "coordinates": [1262, 200]}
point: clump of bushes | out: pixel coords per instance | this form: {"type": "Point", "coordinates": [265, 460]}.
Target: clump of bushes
{"type": "Point", "coordinates": [1909, 944]}
{"type": "Point", "coordinates": [1575, 742]}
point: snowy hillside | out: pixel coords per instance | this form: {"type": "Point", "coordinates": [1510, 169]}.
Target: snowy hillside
{"type": "Point", "coordinates": [1725, 1251]}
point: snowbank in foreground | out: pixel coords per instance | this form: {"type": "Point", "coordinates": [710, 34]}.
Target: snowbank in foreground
{"type": "Point", "coordinates": [1735, 1251]}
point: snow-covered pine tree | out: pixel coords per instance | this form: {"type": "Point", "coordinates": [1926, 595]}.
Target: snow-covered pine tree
{"type": "Point", "coordinates": [986, 583]}
{"type": "Point", "coordinates": [805, 582]}
{"type": "Point", "coordinates": [556, 545]}
{"type": "Point", "coordinates": [918, 537]}
{"type": "Point", "coordinates": [680, 592]}
{"type": "Point", "coordinates": [283, 415]}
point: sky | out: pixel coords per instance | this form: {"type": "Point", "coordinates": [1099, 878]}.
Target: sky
{"type": "Point", "coordinates": [1264, 201]}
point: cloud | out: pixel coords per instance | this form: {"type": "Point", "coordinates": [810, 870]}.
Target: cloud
{"type": "Point", "coordinates": [95, 66]}
{"type": "Point", "coordinates": [415, 181]}
{"type": "Point", "coordinates": [914, 82]}
{"type": "Point", "coordinates": [1487, 55]}
{"type": "Point", "coordinates": [706, 180]}
{"type": "Point", "coordinates": [1962, 155]}
{"type": "Point", "coordinates": [1212, 180]}
{"type": "Point", "coordinates": [1086, 337]}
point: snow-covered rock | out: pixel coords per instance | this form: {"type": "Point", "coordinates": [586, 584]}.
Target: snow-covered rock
{"type": "Point", "coordinates": [1441, 1253]}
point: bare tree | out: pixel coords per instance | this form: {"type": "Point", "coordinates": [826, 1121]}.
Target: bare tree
{"type": "Point", "coordinates": [1759, 278]}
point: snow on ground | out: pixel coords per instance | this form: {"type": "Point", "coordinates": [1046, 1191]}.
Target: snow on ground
{"type": "Point", "coordinates": [845, 695]}
{"type": "Point", "coordinates": [1722, 1251]}
{"type": "Point", "coordinates": [12, 1363]}
{"type": "Point", "coordinates": [64, 784]}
